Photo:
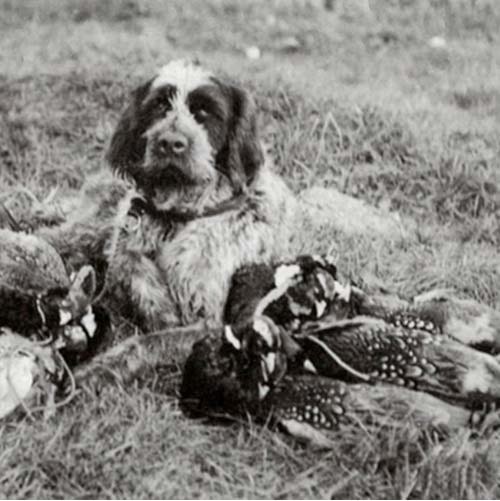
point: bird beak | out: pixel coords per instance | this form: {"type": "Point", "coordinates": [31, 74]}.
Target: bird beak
{"type": "Point", "coordinates": [308, 366]}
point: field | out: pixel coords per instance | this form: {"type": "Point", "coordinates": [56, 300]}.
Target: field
{"type": "Point", "coordinates": [396, 102]}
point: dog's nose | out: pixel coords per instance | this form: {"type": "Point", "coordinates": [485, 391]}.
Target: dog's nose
{"type": "Point", "coordinates": [173, 143]}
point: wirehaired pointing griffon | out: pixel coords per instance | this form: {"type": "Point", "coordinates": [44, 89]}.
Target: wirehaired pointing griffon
{"type": "Point", "coordinates": [203, 200]}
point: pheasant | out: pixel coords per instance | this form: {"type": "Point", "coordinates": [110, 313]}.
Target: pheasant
{"type": "Point", "coordinates": [30, 374]}
{"type": "Point", "coordinates": [290, 292]}
{"type": "Point", "coordinates": [306, 293]}
{"type": "Point", "coordinates": [248, 371]}
{"type": "Point", "coordinates": [295, 336]}
{"type": "Point", "coordinates": [438, 311]}
{"type": "Point", "coordinates": [40, 300]}
{"type": "Point", "coordinates": [369, 350]}
{"type": "Point", "coordinates": [44, 314]}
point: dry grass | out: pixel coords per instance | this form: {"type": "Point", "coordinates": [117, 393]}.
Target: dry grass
{"type": "Point", "coordinates": [360, 101]}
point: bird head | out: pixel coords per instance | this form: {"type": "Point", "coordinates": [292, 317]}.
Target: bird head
{"type": "Point", "coordinates": [305, 290]}
{"type": "Point", "coordinates": [262, 350]}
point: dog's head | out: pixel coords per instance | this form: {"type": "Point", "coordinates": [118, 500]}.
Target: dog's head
{"type": "Point", "coordinates": [185, 127]}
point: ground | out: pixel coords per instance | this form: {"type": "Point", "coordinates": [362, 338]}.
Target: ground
{"type": "Point", "coordinates": [396, 102]}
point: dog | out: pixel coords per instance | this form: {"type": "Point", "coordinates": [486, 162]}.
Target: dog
{"type": "Point", "coordinates": [191, 199]}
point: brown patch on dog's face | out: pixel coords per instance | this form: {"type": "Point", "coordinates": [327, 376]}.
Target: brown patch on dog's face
{"type": "Point", "coordinates": [183, 128]}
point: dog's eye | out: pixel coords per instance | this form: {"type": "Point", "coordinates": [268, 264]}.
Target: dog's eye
{"type": "Point", "coordinates": [200, 114]}
{"type": "Point", "coordinates": [162, 102]}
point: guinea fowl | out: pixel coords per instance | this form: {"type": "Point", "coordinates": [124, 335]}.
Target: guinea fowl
{"type": "Point", "coordinates": [356, 336]}
{"type": "Point", "coordinates": [246, 371]}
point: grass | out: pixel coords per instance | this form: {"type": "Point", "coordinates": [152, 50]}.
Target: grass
{"type": "Point", "coordinates": [362, 101]}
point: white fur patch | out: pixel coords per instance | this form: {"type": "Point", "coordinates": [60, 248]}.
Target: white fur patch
{"type": "Point", "coordinates": [231, 338]}
{"type": "Point", "coordinates": [285, 272]}
{"type": "Point", "coordinates": [261, 327]}
{"type": "Point", "coordinates": [184, 75]}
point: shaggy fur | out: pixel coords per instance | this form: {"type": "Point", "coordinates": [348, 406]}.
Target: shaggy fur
{"type": "Point", "coordinates": [188, 147]}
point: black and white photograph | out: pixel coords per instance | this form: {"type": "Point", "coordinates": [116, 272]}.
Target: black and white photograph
{"type": "Point", "coordinates": [249, 249]}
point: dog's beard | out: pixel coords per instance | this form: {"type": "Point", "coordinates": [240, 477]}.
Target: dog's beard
{"type": "Point", "coordinates": [161, 179]}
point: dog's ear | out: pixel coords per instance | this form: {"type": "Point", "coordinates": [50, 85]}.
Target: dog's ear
{"type": "Point", "coordinates": [242, 156]}
{"type": "Point", "coordinates": [127, 147]}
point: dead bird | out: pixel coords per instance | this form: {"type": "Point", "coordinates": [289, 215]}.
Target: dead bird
{"type": "Point", "coordinates": [290, 292]}
{"type": "Point", "coordinates": [41, 301]}
{"type": "Point", "coordinates": [306, 293]}
{"type": "Point", "coordinates": [30, 374]}
{"type": "Point", "coordinates": [439, 311]}
{"type": "Point", "coordinates": [242, 373]}
{"type": "Point", "coordinates": [365, 349]}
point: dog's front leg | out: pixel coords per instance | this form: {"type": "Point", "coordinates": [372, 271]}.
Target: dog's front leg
{"type": "Point", "coordinates": [137, 291]}
{"type": "Point", "coordinates": [136, 286]}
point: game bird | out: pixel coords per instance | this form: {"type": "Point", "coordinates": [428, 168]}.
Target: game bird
{"type": "Point", "coordinates": [305, 292]}
{"type": "Point", "coordinates": [246, 372]}
{"type": "Point", "coordinates": [294, 335]}
{"type": "Point", "coordinates": [30, 374]}
{"type": "Point", "coordinates": [438, 311]}
{"type": "Point", "coordinates": [41, 301]}
{"type": "Point", "coordinates": [291, 293]}
{"type": "Point", "coordinates": [47, 319]}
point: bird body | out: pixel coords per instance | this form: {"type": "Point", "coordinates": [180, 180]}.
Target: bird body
{"type": "Point", "coordinates": [28, 262]}
{"type": "Point", "coordinates": [314, 355]}
{"type": "Point", "coordinates": [217, 381]}
{"type": "Point", "coordinates": [364, 349]}
{"type": "Point", "coordinates": [44, 312]}
{"type": "Point", "coordinates": [28, 371]}
{"type": "Point", "coordinates": [438, 311]}
{"type": "Point", "coordinates": [308, 407]}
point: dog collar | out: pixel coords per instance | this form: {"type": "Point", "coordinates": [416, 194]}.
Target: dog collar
{"type": "Point", "coordinates": [140, 206]}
